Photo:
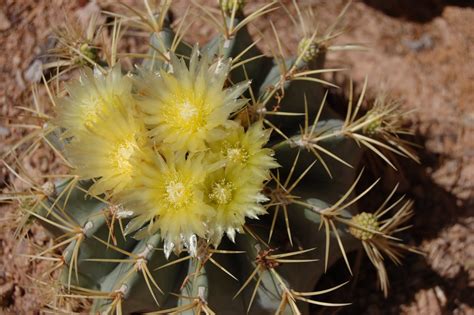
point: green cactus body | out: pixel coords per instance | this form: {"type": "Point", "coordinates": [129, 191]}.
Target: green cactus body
{"type": "Point", "coordinates": [245, 264]}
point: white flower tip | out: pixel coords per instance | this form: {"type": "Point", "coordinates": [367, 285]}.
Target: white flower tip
{"type": "Point", "coordinates": [124, 213]}
{"type": "Point", "coordinates": [231, 234]}
{"type": "Point", "coordinates": [97, 72]}
{"type": "Point", "coordinates": [168, 248]}
{"type": "Point", "coordinates": [262, 198]}
{"type": "Point", "coordinates": [191, 245]}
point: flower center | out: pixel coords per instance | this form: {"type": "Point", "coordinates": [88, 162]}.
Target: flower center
{"type": "Point", "coordinates": [122, 156]}
{"type": "Point", "coordinates": [175, 193]}
{"type": "Point", "coordinates": [236, 154]}
{"type": "Point", "coordinates": [96, 106]}
{"type": "Point", "coordinates": [221, 192]}
{"type": "Point", "coordinates": [186, 114]}
{"type": "Point", "coordinates": [187, 111]}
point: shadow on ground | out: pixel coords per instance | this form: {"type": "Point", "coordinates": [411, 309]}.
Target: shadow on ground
{"type": "Point", "coordinates": [421, 11]}
{"type": "Point", "coordinates": [435, 209]}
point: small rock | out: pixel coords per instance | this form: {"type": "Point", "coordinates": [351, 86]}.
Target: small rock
{"type": "Point", "coordinates": [424, 42]}
{"type": "Point", "coordinates": [85, 13]}
{"type": "Point", "coordinates": [40, 236]}
{"type": "Point", "coordinates": [4, 22]}
{"type": "Point", "coordinates": [16, 60]}
{"type": "Point", "coordinates": [4, 131]}
{"type": "Point", "coordinates": [440, 295]}
{"type": "Point", "coordinates": [34, 72]}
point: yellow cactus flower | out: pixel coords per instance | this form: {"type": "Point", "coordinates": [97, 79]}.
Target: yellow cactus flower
{"type": "Point", "coordinates": [187, 108]}
{"type": "Point", "coordinates": [169, 197]}
{"type": "Point", "coordinates": [233, 195]}
{"type": "Point", "coordinates": [93, 95]}
{"type": "Point", "coordinates": [109, 151]}
{"type": "Point", "coordinates": [244, 149]}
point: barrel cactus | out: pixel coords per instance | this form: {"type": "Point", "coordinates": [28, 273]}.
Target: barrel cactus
{"type": "Point", "coordinates": [204, 178]}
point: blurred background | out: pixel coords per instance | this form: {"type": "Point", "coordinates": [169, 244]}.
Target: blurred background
{"type": "Point", "coordinates": [420, 52]}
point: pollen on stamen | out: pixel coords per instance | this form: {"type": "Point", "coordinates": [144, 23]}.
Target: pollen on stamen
{"type": "Point", "coordinates": [221, 192]}
{"type": "Point", "coordinates": [91, 111]}
{"type": "Point", "coordinates": [188, 111]}
{"type": "Point", "coordinates": [90, 117]}
{"type": "Point", "coordinates": [236, 154]}
{"type": "Point", "coordinates": [121, 157]}
{"type": "Point", "coordinates": [189, 115]}
{"type": "Point", "coordinates": [175, 192]}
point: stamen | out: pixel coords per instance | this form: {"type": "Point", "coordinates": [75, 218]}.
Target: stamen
{"type": "Point", "coordinates": [221, 192]}
{"type": "Point", "coordinates": [236, 154]}
{"type": "Point", "coordinates": [121, 157]}
{"type": "Point", "coordinates": [188, 111]}
{"type": "Point", "coordinates": [175, 191]}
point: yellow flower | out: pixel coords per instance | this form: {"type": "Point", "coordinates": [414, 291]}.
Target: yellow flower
{"type": "Point", "coordinates": [93, 95]}
{"type": "Point", "coordinates": [245, 150]}
{"type": "Point", "coordinates": [234, 195]}
{"type": "Point", "coordinates": [169, 198]}
{"type": "Point", "coordinates": [109, 150]}
{"type": "Point", "coordinates": [187, 108]}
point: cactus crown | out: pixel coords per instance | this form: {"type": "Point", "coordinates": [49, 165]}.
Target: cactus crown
{"type": "Point", "coordinates": [366, 220]}
{"type": "Point", "coordinates": [308, 48]}
{"type": "Point", "coordinates": [228, 6]}
{"type": "Point", "coordinates": [198, 178]}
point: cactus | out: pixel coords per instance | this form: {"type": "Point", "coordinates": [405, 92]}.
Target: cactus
{"type": "Point", "coordinates": [201, 179]}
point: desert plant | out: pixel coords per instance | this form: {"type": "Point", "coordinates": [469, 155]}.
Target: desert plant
{"type": "Point", "coordinates": [201, 179]}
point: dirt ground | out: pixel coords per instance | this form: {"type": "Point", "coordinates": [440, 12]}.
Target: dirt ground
{"type": "Point", "coordinates": [422, 52]}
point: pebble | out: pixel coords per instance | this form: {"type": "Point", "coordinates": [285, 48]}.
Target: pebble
{"type": "Point", "coordinates": [4, 131]}
{"type": "Point", "coordinates": [34, 71]}
{"type": "Point", "coordinates": [425, 42]}
{"type": "Point", "coordinates": [4, 22]}
{"type": "Point", "coordinates": [85, 13]}
{"type": "Point", "coordinates": [440, 295]}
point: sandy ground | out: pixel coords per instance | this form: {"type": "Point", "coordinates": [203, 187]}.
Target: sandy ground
{"type": "Point", "coordinates": [421, 52]}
